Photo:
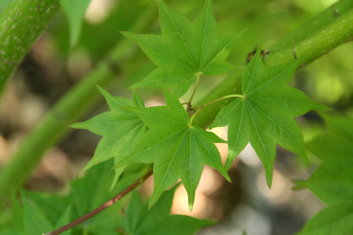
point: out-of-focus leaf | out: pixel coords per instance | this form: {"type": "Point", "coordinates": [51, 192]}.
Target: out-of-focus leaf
{"type": "Point", "coordinates": [140, 220]}
{"type": "Point", "coordinates": [332, 182]}
{"type": "Point", "coordinates": [34, 220]}
{"type": "Point", "coordinates": [41, 213]}
{"type": "Point", "coordinates": [3, 3]}
{"type": "Point", "coordinates": [74, 11]}
{"type": "Point", "coordinates": [64, 219]}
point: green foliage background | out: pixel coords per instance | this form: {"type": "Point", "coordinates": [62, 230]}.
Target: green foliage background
{"type": "Point", "coordinates": [94, 53]}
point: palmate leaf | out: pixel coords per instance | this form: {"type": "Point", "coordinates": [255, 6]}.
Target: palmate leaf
{"type": "Point", "coordinates": [140, 220]}
{"type": "Point", "coordinates": [121, 130]}
{"type": "Point", "coordinates": [184, 50]}
{"type": "Point", "coordinates": [332, 182]}
{"type": "Point", "coordinates": [177, 149]}
{"type": "Point", "coordinates": [264, 114]}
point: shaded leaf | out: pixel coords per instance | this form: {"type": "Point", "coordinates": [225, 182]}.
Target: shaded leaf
{"type": "Point", "coordinates": [140, 220]}
{"type": "Point", "coordinates": [34, 220]}
{"type": "Point", "coordinates": [63, 220]}
{"type": "Point", "coordinates": [332, 182]}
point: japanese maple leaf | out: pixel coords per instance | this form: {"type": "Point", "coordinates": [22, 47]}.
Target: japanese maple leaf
{"type": "Point", "coordinates": [140, 220]}
{"type": "Point", "coordinates": [184, 51]}
{"type": "Point", "coordinates": [332, 182]}
{"type": "Point", "coordinates": [175, 147]}
{"type": "Point", "coordinates": [264, 114]}
{"type": "Point", "coordinates": [120, 130]}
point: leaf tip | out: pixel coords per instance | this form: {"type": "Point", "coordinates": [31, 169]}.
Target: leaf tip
{"type": "Point", "coordinates": [151, 203]}
{"type": "Point", "coordinates": [191, 206]}
{"type": "Point", "coordinates": [101, 90]}
{"type": "Point", "coordinates": [321, 107]}
{"type": "Point", "coordinates": [269, 178]}
{"type": "Point", "coordinates": [226, 176]}
{"type": "Point", "coordinates": [237, 36]}
{"type": "Point", "coordinates": [135, 86]}
{"type": "Point", "coordinates": [88, 166]}
{"type": "Point", "coordinates": [77, 125]}
{"type": "Point", "coordinates": [127, 34]}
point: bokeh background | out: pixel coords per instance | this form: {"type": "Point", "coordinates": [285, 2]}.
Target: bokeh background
{"type": "Point", "coordinates": [51, 68]}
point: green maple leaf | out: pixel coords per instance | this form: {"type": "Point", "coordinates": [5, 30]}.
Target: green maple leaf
{"type": "Point", "coordinates": [177, 149]}
{"type": "Point", "coordinates": [185, 50]}
{"type": "Point", "coordinates": [140, 220]}
{"type": "Point", "coordinates": [264, 114]}
{"type": "Point", "coordinates": [120, 128]}
{"type": "Point", "coordinates": [332, 182]}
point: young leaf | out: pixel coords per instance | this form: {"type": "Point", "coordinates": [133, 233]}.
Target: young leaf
{"type": "Point", "coordinates": [264, 114]}
{"type": "Point", "coordinates": [177, 149]}
{"type": "Point", "coordinates": [332, 182]}
{"type": "Point", "coordinates": [184, 51]}
{"type": "Point", "coordinates": [74, 11]}
{"type": "Point", "coordinates": [120, 128]}
{"type": "Point", "coordinates": [140, 220]}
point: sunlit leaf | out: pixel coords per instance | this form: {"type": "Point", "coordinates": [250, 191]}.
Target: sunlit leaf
{"type": "Point", "coordinates": [120, 128]}
{"type": "Point", "coordinates": [264, 114]}
{"type": "Point", "coordinates": [177, 149]}
{"type": "Point", "coordinates": [184, 49]}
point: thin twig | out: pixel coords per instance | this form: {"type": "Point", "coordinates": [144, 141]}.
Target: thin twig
{"type": "Point", "coordinates": [199, 108]}
{"type": "Point", "coordinates": [102, 207]}
{"type": "Point", "coordinates": [198, 75]}
{"type": "Point", "coordinates": [220, 99]}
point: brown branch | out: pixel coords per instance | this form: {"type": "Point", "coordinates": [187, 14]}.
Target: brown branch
{"type": "Point", "coordinates": [102, 207]}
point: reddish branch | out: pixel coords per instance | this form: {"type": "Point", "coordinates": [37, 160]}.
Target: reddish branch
{"type": "Point", "coordinates": [102, 207]}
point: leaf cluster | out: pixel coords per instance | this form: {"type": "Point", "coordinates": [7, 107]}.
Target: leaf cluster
{"type": "Point", "coordinates": [39, 213]}
{"type": "Point", "coordinates": [165, 136]}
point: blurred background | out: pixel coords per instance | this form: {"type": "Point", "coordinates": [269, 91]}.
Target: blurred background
{"type": "Point", "coordinates": [51, 68]}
